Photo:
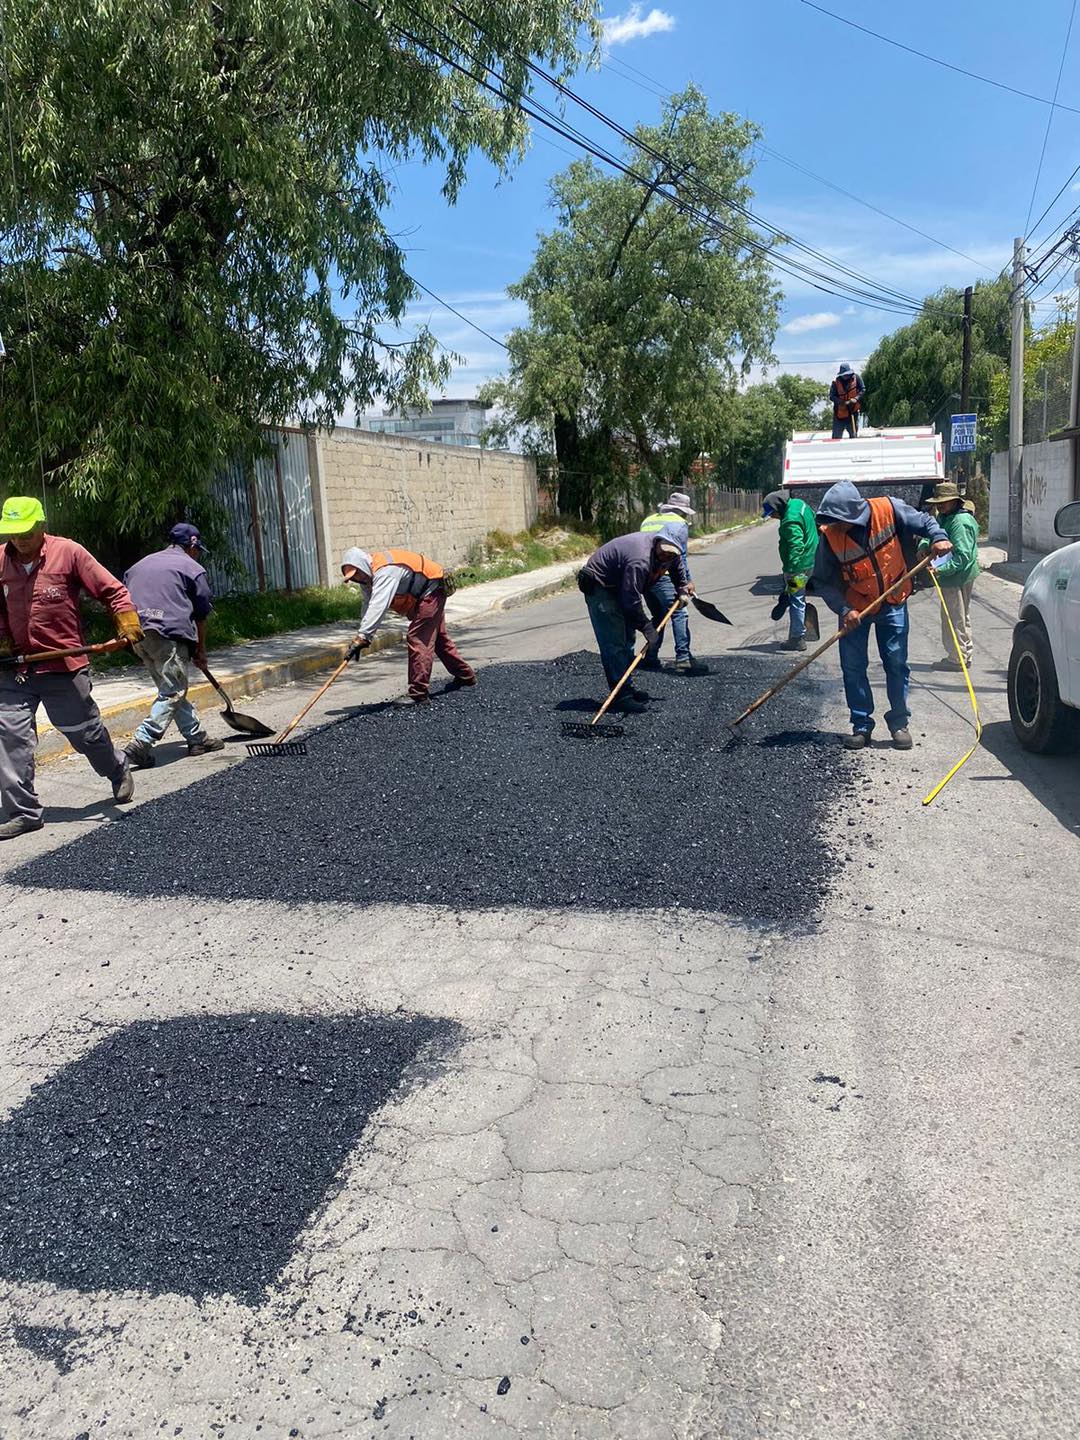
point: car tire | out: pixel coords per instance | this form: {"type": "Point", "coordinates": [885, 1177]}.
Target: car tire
{"type": "Point", "coordinates": [1041, 721]}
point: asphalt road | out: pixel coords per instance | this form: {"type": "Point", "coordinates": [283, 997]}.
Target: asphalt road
{"type": "Point", "coordinates": [601, 1172]}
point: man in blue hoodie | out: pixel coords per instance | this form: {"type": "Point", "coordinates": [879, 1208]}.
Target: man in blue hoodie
{"type": "Point", "coordinates": [866, 547]}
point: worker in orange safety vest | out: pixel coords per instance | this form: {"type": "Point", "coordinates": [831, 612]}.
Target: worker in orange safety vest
{"type": "Point", "coordinates": [412, 585]}
{"type": "Point", "coordinates": [846, 393]}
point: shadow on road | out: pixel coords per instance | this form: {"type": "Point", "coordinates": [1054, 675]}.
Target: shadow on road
{"type": "Point", "coordinates": [1054, 780]}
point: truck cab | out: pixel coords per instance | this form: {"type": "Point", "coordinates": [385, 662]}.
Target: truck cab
{"type": "Point", "coordinates": [1044, 666]}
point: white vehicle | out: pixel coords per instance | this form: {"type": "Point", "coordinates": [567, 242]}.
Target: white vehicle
{"type": "Point", "coordinates": [1044, 667]}
{"type": "Point", "coordinates": [892, 459]}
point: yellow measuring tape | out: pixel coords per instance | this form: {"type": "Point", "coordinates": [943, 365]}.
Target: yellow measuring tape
{"type": "Point", "coordinates": [974, 703]}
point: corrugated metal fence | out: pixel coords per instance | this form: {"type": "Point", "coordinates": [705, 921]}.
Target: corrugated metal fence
{"type": "Point", "coordinates": [270, 517]}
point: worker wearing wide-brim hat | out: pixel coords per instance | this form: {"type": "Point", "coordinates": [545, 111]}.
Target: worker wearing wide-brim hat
{"type": "Point", "coordinates": [672, 519]}
{"type": "Point", "coordinates": [41, 579]}
{"type": "Point", "coordinates": [957, 573]}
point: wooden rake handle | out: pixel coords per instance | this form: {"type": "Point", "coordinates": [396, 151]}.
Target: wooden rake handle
{"type": "Point", "coordinates": [291, 726]}
{"type": "Point", "coordinates": [832, 640]}
{"type": "Point", "coordinates": [632, 666]}
{"type": "Point", "coordinates": [105, 648]}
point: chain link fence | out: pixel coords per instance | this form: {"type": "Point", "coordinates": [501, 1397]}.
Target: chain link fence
{"type": "Point", "coordinates": [1046, 400]}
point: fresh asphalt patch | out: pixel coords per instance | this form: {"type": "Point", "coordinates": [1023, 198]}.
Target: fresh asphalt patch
{"type": "Point", "coordinates": [479, 801]}
{"type": "Point", "coordinates": [186, 1155]}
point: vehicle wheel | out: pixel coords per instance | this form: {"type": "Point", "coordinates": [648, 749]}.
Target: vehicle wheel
{"type": "Point", "coordinates": [1041, 720]}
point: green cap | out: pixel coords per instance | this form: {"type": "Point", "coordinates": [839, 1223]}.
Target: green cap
{"type": "Point", "coordinates": [20, 514]}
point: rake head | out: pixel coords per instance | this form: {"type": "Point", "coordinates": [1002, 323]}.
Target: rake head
{"type": "Point", "coordinates": [282, 747]}
{"type": "Point", "coordinates": [582, 730]}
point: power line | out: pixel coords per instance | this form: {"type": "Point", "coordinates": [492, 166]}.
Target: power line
{"type": "Point", "coordinates": [936, 60]}
{"type": "Point", "coordinates": [447, 306]}
{"type": "Point", "coordinates": [1049, 120]}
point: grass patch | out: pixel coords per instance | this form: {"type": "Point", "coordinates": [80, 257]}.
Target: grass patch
{"type": "Point", "coordinates": [501, 555]}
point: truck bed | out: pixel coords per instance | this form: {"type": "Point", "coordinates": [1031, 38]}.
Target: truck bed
{"type": "Point", "coordinates": [884, 461]}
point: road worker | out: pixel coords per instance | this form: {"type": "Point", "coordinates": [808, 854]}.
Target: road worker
{"type": "Point", "coordinates": [171, 592]}
{"type": "Point", "coordinates": [615, 580]}
{"type": "Point", "coordinates": [798, 547]}
{"type": "Point", "coordinates": [957, 574]}
{"type": "Point", "coordinates": [673, 520]}
{"type": "Point", "coordinates": [846, 393]}
{"type": "Point", "coordinates": [41, 579]}
{"type": "Point", "coordinates": [409, 584]}
{"type": "Point", "coordinates": [859, 557]}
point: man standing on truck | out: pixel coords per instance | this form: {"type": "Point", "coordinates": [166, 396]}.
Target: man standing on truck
{"type": "Point", "coordinates": [860, 557]}
{"type": "Point", "coordinates": [798, 547]}
{"type": "Point", "coordinates": [846, 393]}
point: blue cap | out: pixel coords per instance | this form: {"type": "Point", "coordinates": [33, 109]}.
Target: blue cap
{"type": "Point", "coordinates": [186, 535]}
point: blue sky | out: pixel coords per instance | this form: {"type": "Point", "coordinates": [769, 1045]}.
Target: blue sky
{"type": "Point", "coordinates": [951, 156]}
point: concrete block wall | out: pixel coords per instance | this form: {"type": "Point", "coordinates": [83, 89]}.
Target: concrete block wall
{"type": "Point", "coordinates": [380, 490]}
{"type": "Point", "coordinates": [1046, 489]}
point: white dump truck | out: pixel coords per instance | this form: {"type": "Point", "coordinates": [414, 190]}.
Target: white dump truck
{"type": "Point", "coordinates": [901, 461]}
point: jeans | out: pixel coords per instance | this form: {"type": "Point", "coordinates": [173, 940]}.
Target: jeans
{"type": "Point", "coordinates": [843, 427]}
{"type": "Point", "coordinates": [68, 704]}
{"type": "Point", "coordinates": [428, 637]}
{"type": "Point", "coordinates": [614, 633]}
{"type": "Point", "coordinates": [660, 600]}
{"type": "Point", "coordinates": [891, 624]}
{"type": "Point", "coordinates": [166, 658]}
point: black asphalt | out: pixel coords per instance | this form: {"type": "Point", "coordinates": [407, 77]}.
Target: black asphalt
{"type": "Point", "coordinates": [186, 1155]}
{"type": "Point", "coordinates": [479, 801]}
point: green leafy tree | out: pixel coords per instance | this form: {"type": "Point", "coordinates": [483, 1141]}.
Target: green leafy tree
{"type": "Point", "coordinates": [913, 376]}
{"type": "Point", "coordinates": [762, 418]}
{"type": "Point", "coordinates": [642, 317]}
{"type": "Point", "coordinates": [194, 244]}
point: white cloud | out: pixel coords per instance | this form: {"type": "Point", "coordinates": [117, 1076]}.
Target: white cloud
{"type": "Point", "coordinates": [819, 320]}
{"type": "Point", "coordinates": [620, 29]}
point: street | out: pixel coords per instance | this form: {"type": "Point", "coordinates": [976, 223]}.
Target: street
{"type": "Point", "coordinates": [641, 1115]}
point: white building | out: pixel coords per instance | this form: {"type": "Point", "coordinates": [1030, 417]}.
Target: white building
{"type": "Point", "coordinates": [447, 422]}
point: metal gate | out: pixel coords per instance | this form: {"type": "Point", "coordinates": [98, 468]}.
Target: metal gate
{"type": "Point", "coordinates": [270, 521]}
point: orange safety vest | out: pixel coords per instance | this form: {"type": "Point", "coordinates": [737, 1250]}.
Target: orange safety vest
{"type": "Point", "coordinates": [848, 386]}
{"type": "Point", "coordinates": [867, 573]}
{"type": "Point", "coordinates": [424, 571]}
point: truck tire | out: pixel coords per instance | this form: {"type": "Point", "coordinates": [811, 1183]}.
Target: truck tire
{"type": "Point", "coordinates": [1041, 721]}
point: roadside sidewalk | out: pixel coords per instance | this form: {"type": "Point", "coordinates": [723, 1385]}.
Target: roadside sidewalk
{"type": "Point", "coordinates": [245, 670]}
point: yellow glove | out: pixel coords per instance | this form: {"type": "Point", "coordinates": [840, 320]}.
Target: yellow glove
{"type": "Point", "coordinates": [7, 646]}
{"type": "Point", "coordinates": [127, 626]}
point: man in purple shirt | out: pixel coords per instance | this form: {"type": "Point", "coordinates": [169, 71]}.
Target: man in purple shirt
{"type": "Point", "coordinates": [171, 592]}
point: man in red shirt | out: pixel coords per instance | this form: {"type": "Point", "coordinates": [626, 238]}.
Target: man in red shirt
{"type": "Point", "coordinates": [41, 579]}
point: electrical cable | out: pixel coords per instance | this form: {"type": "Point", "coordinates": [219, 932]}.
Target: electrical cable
{"type": "Point", "coordinates": [447, 306]}
{"type": "Point", "coordinates": [1049, 120]}
{"type": "Point", "coordinates": [850, 24]}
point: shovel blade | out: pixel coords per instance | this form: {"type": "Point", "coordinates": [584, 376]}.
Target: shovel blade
{"type": "Point", "coordinates": [710, 611]}
{"type": "Point", "coordinates": [246, 724]}
{"type": "Point", "coordinates": [813, 629]}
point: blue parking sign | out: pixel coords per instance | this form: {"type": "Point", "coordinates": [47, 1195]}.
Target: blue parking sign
{"type": "Point", "coordinates": [963, 432]}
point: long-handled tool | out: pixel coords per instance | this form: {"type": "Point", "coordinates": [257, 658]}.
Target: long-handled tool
{"type": "Point", "coordinates": [709, 610]}
{"type": "Point", "coordinates": [814, 655]}
{"type": "Point", "coordinates": [107, 647]}
{"type": "Point", "coordinates": [246, 724]}
{"type": "Point", "coordinates": [583, 730]}
{"type": "Point", "coordinates": [813, 629]}
{"type": "Point", "coordinates": [281, 744]}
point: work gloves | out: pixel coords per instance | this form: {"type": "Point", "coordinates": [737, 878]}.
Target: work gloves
{"type": "Point", "coordinates": [127, 626]}
{"type": "Point", "coordinates": [794, 583]}
{"type": "Point", "coordinates": [652, 637]}
{"type": "Point", "coordinates": [358, 646]}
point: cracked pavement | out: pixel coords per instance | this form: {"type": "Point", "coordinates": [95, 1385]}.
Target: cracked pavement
{"type": "Point", "coordinates": [680, 1178]}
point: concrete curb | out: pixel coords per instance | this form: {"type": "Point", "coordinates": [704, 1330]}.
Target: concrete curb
{"type": "Point", "coordinates": [124, 716]}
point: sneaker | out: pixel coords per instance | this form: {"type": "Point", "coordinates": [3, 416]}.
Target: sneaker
{"type": "Point", "coordinates": [901, 739]}
{"type": "Point", "coordinates": [651, 662]}
{"type": "Point", "coordinates": [140, 754]}
{"type": "Point", "coordinates": [205, 746]}
{"type": "Point", "coordinates": [634, 693]}
{"type": "Point", "coordinates": [21, 825]}
{"type": "Point", "coordinates": [797, 643]}
{"type": "Point", "coordinates": [123, 787]}
{"type": "Point", "coordinates": [946, 664]}
{"type": "Point", "coordinates": [629, 705]}
{"type": "Point", "coordinates": [859, 740]}
{"type": "Point", "coordinates": [690, 666]}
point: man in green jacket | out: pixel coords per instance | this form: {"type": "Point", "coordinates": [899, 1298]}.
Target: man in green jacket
{"type": "Point", "coordinates": [798, 546]}
{"type": "Point", "coordinates": [956, 573]}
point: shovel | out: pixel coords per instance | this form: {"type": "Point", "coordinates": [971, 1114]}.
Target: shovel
{"type": "Point", "coordinates": [813, 629]}
{"type": "Point", "coordinates": [832, 640]}
{"type": "Point", "coordinates": [246, 724]}
{"type": "Point", "coordinates": [709, 610]}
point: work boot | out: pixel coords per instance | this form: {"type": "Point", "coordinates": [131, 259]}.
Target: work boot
{"type": "Point", "coordinates": [21, 825]}
{"type": "Point", "coordinates": [629, 705]}
{"type": "Point", "coordinates": [408, 702]}
{"type": "Point", "coordinates": [796, 643]}
{"type": "Point", "coordinates": [859, 740]}
{"type": "Point", "coordinates": [140, 754]}
{"type": "Point", "coordinates": [901, 739]}
{"type": "Point", "coordinates": [205, 746]}
{"type": "Point", "coordinates": [641, 696]}
{"type": "Point", "coordinates": [123, 787]}
{"type": "Point", "coordinates": [457, 683]}
{"type": "Point", "coordinates": [947, 663]}
{"type": "Point", "coordinates": [690, 666]}
{"type": "Point", "coordinates": [651, 662]}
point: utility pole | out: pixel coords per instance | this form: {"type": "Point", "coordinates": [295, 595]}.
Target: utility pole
{"type": "Point", "coordinates": [1016, 410]}
{"type": "Point", "coordinates": [965, 383]}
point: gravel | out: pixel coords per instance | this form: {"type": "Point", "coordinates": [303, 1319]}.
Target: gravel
{"type": "Point", "coordinates": [186, 1155]}
{"type": "Point", "coordinates": [479, 801]}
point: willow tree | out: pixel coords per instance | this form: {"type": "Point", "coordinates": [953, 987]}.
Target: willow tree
{"type": "Point", "coordinates": [644, 312]}
{"type": "Point", "coordinates": [193, 239]}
